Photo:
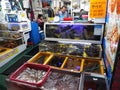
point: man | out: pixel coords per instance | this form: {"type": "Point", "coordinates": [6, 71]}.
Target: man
{"type": "Point", "coordinates": [63, 12]}
{"type": "Point", "coordinates": [83, 12]}
{"type": "Point", "coordinates": [50, 11]}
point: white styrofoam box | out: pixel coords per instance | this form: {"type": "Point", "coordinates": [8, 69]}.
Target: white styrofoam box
{"type": "Point", "coordinates": [22, 16]}
{"type": "Point", "coordinates": [26, 3]}
{"type": "Point", "coordinates": [18, 26]}
{"type": "Point", "coordinates": [2, 17]}
{"type": "Point", "coordinates": [19, 16]}
{"type": "Point", "coordinates": [5, 4]}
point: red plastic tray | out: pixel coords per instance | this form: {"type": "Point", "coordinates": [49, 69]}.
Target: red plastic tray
{"type": "Point", "coordinates": [32, 66]}
{"type": "Point", "coordinates": [68, 19]}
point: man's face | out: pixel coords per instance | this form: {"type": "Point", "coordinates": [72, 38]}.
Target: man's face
{"type": "Point", "coordinates": [63, 9]}
{"type": "Point", "coordinates": [48, 6]}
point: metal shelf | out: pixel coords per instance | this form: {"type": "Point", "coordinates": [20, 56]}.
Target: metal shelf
{"type": "Point", "coordinates": [11, 38]}
{"type": "Point", "coordinates": [18, 31]}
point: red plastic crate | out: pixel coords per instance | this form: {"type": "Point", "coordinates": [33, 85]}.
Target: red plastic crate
{"type": "Point", "coordinates": [31, 66]}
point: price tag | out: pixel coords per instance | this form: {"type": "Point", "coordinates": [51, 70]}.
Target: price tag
{"type": "Point", "coordinates": [98, 30]}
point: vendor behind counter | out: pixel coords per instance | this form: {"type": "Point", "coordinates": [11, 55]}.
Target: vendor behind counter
{"type": "Point", "coordinates": [83, 14]}
{"type": "Point", "coordinates": [63, 12]}
{"type": "Point", "coordinates": [63, 15]}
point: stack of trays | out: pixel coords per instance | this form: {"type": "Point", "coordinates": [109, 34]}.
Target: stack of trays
{"type": "Point", "coordinates": [68, 63]}
{"type": "Point", "coordinates": [51, 79]}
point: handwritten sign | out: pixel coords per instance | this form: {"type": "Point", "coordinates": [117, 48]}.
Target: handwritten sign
{"type": "Point", "coordinates": [98, 8]}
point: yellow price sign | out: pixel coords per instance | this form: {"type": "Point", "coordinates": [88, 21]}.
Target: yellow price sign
{"type": "Point", "coordinates": [98, 8]}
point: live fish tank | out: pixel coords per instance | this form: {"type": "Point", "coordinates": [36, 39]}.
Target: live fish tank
{"type": "Point", "coordinates": [87, 32]}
